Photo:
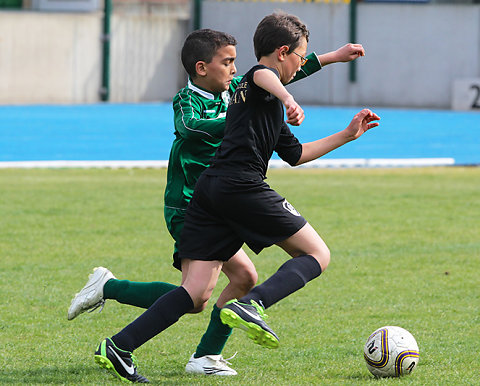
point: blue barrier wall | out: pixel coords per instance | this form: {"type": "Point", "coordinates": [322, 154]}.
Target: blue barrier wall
{"type": "Point", "coordinates": [145, 132]}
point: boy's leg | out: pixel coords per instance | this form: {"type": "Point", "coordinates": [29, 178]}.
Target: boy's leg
{"type": "Point", "coordinates": [310, 257]}
{"type": "Point", "coordinates": [193, 294]}
{"type": "Point", "coordinates": [102, 285]}
{"type": "Point", "coordinates": [207, 358]}
{"type": "Point", "coordinates": [139, 294]}
{"type": "Point", "coordinates": [116, 353]}
{"type": "Point", "coordinates": [243, 276]}
{"type": "Point", "coordinates": [196, 289]}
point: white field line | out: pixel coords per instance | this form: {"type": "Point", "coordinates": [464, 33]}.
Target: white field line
{"type": "Point", "coordinates": [320, 163]}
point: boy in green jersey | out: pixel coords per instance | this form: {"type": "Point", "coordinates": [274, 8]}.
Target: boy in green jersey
{"type": "Point", "coordinates": [199, 117]}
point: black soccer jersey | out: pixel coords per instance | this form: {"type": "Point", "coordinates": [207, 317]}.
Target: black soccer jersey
{"type": "Point", "coordinates": [255, 128]}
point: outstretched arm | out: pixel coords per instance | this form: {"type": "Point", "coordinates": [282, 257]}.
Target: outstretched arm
{"type": "Point", "coordinates": [267, 80]}
{"type": "Point", "coordinates": [344, 54]}
{"type": "Point", "coordinates": [315, 62]}
{"type": "Point", "coordinates": [360, 123]}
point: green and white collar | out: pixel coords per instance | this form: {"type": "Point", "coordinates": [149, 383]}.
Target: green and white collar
{"type": "Point", "coordinates": [197, 89]}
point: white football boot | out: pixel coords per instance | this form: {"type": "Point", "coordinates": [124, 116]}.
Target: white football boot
{"type": "Point", "coordinates": [209, 365]}
{"type": "Point", "coordinates": [90, 296]}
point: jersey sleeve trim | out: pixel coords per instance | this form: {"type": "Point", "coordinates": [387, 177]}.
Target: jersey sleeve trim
{"type": "Point", "coordinates": [312, 66]}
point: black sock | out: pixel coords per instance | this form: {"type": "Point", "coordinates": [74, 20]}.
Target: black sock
{"type": "Point", "coordinates": [290, 277]}
{"type": "Point", "coordinates": [161, 315]}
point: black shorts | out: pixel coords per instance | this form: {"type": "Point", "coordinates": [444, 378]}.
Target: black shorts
{"type": "Point", "coordinates": [225, 212]}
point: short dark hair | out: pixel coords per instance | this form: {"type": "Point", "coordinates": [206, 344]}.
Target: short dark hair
{"type": "Point", "coordinates": [202, 45]}
{"type": "Point", "coordinates": [276, 30]}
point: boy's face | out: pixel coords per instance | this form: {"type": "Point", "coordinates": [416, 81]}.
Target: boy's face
{"type": "Point", "coordinates": [294, 62]}
{"type": "Point", "coordinates": [217, 75]}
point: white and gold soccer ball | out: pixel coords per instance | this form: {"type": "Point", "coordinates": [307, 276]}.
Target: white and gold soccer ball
{"type": "Point", "coordinates": [391, 352]}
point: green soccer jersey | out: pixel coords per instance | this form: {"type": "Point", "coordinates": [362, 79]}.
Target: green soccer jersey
{"type": "Point", "coordinates": [199, 118]}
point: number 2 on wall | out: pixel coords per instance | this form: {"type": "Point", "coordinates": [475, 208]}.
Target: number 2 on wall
{"type": "Point", "coordinates": [476, 100]}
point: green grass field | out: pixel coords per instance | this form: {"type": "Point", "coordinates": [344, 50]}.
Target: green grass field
{"type": "Point", "coordinates": [405, 249]}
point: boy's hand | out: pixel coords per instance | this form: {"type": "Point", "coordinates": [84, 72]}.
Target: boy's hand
{"type": "Point", "coordinates": [349, 52]}
{"type": "Point", "coordinates": [295, 114]}
{"type": "Point", "coordinates": [361, 123]}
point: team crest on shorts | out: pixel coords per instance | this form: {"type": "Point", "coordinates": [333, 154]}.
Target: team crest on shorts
{"type": "Point", "coordinates": [290, 208]}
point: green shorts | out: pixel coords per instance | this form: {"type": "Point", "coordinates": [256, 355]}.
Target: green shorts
{"type": "Point", "coordinates": [174, 218]}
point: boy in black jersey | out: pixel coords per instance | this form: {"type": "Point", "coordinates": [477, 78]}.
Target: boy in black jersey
{"type": "Point", "coordinates": [233, 205]}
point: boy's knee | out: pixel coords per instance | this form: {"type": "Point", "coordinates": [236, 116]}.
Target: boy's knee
{"type": "Point", "coordinates": [199, 304]}
{"type": "Point", "coordinates": [323, 257]}
{"type": "Point", "coordinates": [246, 279]}
{"type": "Point", "coordinates": [250, 278]}
{"type": "Point", "coordinates": [199, 298]}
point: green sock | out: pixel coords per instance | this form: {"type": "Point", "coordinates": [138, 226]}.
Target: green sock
{"type": "Point", "coordinates": [136, 293]}
{"type": "Point", "coordinates": [216, 336]}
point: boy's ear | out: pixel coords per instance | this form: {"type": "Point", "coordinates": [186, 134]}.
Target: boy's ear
{"type": "Point", "coordinates": [282, 53]}
{"type": "Point", "coordinates": [201, 68]}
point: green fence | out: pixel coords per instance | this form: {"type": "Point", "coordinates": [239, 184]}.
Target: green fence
{"type": "Point", "coordinates": [11, 4]}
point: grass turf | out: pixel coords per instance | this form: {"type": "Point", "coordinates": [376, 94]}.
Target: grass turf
{"type": "Point", "coordinates": [405, 251]}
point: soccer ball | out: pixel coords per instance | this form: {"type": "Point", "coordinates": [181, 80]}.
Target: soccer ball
{"type": "Point", "coordinates": [391, 352]}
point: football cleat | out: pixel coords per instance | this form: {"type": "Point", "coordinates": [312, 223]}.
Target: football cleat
{"type": "Point", "coordinates": [90, 296]}
{"type": "Point", "coordinates": [120, 363]}
{"type": "Point", "coordinates": [249, 317]}
{"type": "Point", "coordinates": [209, 365]}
